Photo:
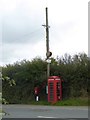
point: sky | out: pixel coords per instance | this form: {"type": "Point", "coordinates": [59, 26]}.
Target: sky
{"type": "Point", "coordinates": [22, 35]}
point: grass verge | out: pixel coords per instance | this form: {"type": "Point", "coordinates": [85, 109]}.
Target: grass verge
{"type": "Point", "coordinates": [73, 102]}
{"type": "Point", "coordinates": [68, 102]}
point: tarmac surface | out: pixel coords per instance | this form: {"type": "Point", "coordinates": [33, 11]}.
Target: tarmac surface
{"type": "Point", "coordinates": [38, 111]}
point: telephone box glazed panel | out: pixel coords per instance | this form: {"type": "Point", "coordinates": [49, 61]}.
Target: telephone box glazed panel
{"type": "Point", "coordinates": [54, 89]}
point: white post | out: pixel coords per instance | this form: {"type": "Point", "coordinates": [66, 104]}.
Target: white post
{"type": "Point", "coordinates": [37, 98]}
{"type": "Point", "coordinates": [47, 89]}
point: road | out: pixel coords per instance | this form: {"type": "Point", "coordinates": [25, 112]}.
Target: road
{"type": "Point", "coordinates": [38, 111]}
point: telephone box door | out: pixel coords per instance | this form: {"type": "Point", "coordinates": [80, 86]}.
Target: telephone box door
{"type": "Point", "coordinates": [51, 91]}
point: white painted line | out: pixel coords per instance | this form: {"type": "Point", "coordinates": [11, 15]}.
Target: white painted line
{"type": "Point", "coordinates": [44, 117]}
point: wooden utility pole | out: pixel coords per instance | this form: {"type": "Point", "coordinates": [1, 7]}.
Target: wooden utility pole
{"type": "Point", "coordinates": [47, 43]}
{"type": "Point", "coordinates": [48, 53]}
{"type": "Point", "coordinates": [47, 31]}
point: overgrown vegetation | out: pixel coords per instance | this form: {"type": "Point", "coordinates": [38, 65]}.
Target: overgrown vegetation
{"type": "Point", "coordinates": [28, 74]}
{"type": "Point", "coordinates": [65, 102]}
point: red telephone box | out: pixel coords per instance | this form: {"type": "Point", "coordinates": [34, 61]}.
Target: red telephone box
{"type": "Point", "coordinates": [54, 89]}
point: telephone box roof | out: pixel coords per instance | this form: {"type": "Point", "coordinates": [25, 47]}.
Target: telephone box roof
{"type": "Point", "coordinates": [54, 77]}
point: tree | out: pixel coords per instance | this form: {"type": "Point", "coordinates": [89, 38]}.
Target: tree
{"type": "Point", "coordinates": [7, 83]}
{"type": "Point", "coordinates": [29, 74]}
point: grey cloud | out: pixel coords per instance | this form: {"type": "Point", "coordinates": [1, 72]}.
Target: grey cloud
{"type": "Point", "coordinates": [21, 27]}
{"type": "Point", "coordinates": [10, 36]}
{"type": "Point", "coordinates": [60, 30]}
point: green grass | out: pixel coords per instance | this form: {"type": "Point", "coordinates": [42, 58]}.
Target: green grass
{"type": "Point", "coordinates": [68, 102]}
{"type": "Point", "coordinates": [73, 102]}
{"type": "Point", "coordinates": [39, 103]}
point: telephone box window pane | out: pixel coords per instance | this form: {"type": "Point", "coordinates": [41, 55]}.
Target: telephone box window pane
{"type": "Point", "coordinates": [51, 91]}
{"type": "Point", "coordinates": [58, 89]}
